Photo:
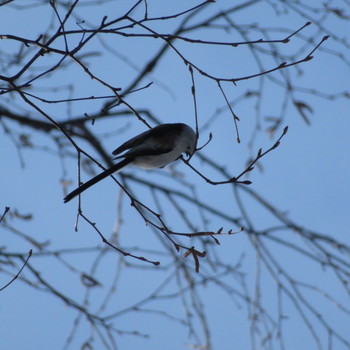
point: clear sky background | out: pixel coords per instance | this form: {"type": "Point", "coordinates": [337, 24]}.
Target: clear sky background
{"type": "Point", "coordinates": [307, 177]}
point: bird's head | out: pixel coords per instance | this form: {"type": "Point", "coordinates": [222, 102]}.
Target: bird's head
{"type": "Point", "coordinates": [190, 140]}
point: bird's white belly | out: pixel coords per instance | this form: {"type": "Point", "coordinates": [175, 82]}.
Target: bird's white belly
{"type": "Point", "coordinates": [158, 161]}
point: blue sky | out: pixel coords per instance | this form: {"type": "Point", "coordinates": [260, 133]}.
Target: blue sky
{"type": "Point", "coordinates": [306, 177]}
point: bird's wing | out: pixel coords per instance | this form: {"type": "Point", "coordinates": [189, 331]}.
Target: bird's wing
{"type": "Point", "coordinates": [155, 141]}
{"type": "Point", "coordinates": [132, 142]}
{"type": "Point", "coordinates": [145, 150]}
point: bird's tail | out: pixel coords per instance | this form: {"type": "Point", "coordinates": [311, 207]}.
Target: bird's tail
{"type": "Point", "coordinates": [97, 178]}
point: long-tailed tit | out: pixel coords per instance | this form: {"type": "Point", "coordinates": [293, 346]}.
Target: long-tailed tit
{"type": "Point", "coordinates": [151, 149]}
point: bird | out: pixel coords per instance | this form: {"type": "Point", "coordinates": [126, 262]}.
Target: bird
{"type": "Point", "coordinates": [154, 148]}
